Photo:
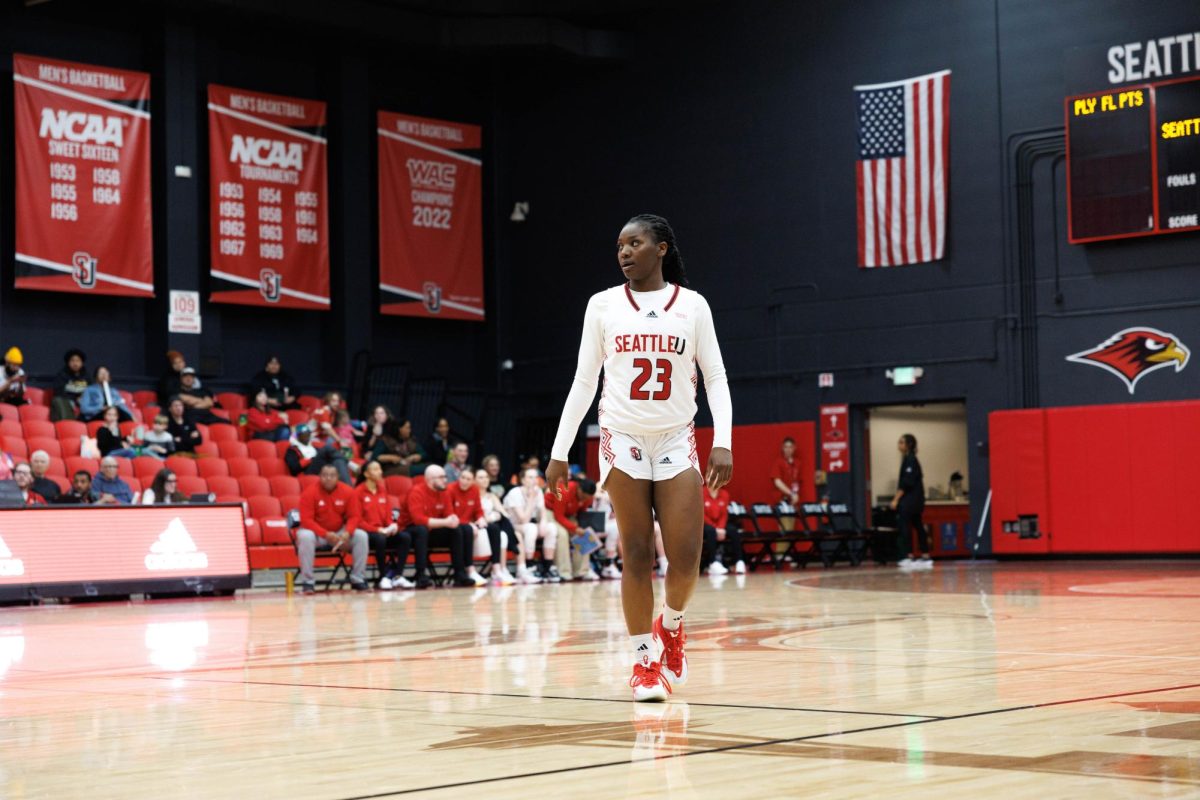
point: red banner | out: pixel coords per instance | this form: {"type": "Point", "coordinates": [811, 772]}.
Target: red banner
{"type": "Point", "coordinates": [268, 188]}
{"type": "Point", "coordinates": [430, 218]}
{"type": "Point", "coordinates": [83, 178]}
{"type": "Point", "coordinates": [835, 438]}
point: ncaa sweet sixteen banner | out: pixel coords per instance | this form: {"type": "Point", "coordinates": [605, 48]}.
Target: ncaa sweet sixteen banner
{"type": "Point", "coordinates": [268, 194]}
{"type": "Point", "coordinates": [430, 218]}
{"type": "Point", "coordinates": [82, 178]}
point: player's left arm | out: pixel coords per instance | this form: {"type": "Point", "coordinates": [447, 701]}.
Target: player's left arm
{"type": "Point", "coordinates": [716, 388]}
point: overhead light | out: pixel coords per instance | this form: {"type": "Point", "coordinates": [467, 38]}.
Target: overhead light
{"type": "Point", "coordinates": [520, 212]}
{"type": "Point", "coordinates": [905, 376]}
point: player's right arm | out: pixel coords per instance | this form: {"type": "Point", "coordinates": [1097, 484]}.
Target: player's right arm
{"type": "Point", "coordinates": [583, 390]}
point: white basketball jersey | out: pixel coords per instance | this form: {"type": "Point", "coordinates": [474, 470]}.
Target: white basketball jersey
{"type": "Point", "coordinates": [649, 345]}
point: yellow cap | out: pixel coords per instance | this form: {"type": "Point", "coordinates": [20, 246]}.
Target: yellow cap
{"type": "Point", "coordinates": [14, 355]}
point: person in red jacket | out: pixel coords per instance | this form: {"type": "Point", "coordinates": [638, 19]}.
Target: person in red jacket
{"type": "Point", "coordinates": [23, 475]}
{"type": "Point", "coordinates": [466, 504]}
{"type": "Point", "coordinates": [383, 534]}
{"type": "Point", "coordinates": [785, 476]}
{"type": "Point", "coordinates": [265, 422]}
{"type": "Point", "coordinates": [716, 529]}
{"type": "Point", "coordinates": [329, 520]}
{"type": "Point", "coordinates": [575, 542]}
{"type": "Point", "coordinates": [426, 512]}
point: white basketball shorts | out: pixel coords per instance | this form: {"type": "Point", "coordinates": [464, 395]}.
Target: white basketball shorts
{"type": "Point", "coordinates": [648, 458]}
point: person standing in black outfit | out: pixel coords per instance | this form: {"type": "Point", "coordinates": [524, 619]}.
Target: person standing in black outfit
{"type": "Point", "coordinates": [909, 502]}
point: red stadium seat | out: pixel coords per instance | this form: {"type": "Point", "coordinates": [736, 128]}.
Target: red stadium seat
{"type": "Point", "coordinates": [93, 427]}
{"type": "Point", "coordinates": [9, 413]}
{"type": "Point", "coordinates": [261, 448]}
{"type": "Point", "coordinates": [283, 485]}
{"type": "Point", "coordinates": [232, 401]}
{"type": "Point", "coordinates": [39, 429]}
{"type": "Point", "coordinates": [307, 481]}
{"type": "Point", "coordinates": [12, 430]}
{"type": "Point", "coordinates": [222, 413]}
{"type": "Point", "coordinates": [64, 484]}
{"type": "Point", "coordinates": [308, 402]}
{"type": "Point", "coordinates": [130, 402]}
{"type": "Point", "coordinates": [15, 446]}
{"type": "Point", "coordinates": [70, 447]}
{"type": "Point", "coordinates": [145, 397]}
{"type": "Point", "coordinates": [29, 411]}
{"type": "Point", "coordinates": [398, 485]}
{"type": "Point", "coordinates": [281, 448]}
{"type": "Point", "coordinates": [190, 485]}
{"type": "Point", "coordinates": [268, 467]}
{"type": "Point", "coordinates": [222, 433]}
{"type": "Point", "coordinates": [80, 464]}
{"type": "Point", "coordinates": [289, 501]}
{"type": "Point", "coordinates": [222, 485]}
{"type": "Point", "coordinates": [125, 467]}
{"type": "Point", "coordinates": [269, 514]}
{"type": "Point", "coordinates": [209, 467]}
{"type": "Point", "coordinates": [127, 428]}
{"type": "Point", "coordinates": [136, 413]}
{"type": "Point", "coordinates": [146, 467]}
{"type": "Point", "coordinates": [70, 429]}
{"type": "Point", "coordinates": [208, 449]}
{"type": "Point", "coordinates": [242, 466]}
{"type": "Point", "coordinates": [233, 450]}
{"type": "Point", "coordinates": [203, 429]}
{"type": "Point", "coordinates": [57, 468]}
{"type": "Point", "coordinates": [250, 485]}
{"type": "Point", "coordinates": [297, 417]}
{"type": "Point", "coordinates": [37, 397]}
{"type": "Point", "coordinates": [183, 466]}
{"type": "Point", "coordinates": [51, 446]}
{"type": "Point", "coordinates": [253, 532]}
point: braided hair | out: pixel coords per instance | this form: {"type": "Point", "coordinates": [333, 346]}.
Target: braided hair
{"type": "Point", "coordinates": [660, 229]}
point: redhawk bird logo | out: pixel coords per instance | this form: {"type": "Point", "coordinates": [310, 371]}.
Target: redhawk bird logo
{"type": "Point", "coordinates": [1133, 353]}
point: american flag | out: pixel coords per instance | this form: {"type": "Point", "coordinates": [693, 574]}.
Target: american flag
{"type": "Point", "coordinates": [903, 156]}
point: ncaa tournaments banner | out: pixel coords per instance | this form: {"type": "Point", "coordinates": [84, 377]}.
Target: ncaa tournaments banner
{"type": "Point", "coordinates": [82, 178]}
{"type": "Point", "coordinates": [430, 218]}
{"type": "Point", "coordinates": [268, 189]}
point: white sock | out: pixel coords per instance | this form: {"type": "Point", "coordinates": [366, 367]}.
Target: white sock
{"type": "Point", "coordinates": [643, 648]}
{"type": "Point", "coordinates": [671, 618]}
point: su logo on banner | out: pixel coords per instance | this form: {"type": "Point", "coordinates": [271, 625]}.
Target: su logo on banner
{"type": "Point", "coordinates": [84, 269]}
{"type": "Point", "coordinates": [432, 297]}
{"type": "Point", "coordinates": [270, 285]}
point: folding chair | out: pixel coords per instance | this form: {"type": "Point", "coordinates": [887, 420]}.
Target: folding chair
{"type": "Point", "coordinates": [323, 554]}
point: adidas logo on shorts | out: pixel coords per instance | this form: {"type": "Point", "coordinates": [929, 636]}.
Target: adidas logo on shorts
{"type": "Point", "coordinates": [665, 460]}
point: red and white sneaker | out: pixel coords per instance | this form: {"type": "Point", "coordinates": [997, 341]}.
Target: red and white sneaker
{"type": "Point", "coordinates": [674, 662]}
{"type": "Point", "coordinates": [648, 684]}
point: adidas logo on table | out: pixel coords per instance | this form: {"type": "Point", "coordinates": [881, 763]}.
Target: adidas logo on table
{"type": "Point", "coordinates": [175, 549]}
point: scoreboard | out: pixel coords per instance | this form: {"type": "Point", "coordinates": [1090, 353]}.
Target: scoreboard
{"type": "Point", "coordinates": [1133, 160]}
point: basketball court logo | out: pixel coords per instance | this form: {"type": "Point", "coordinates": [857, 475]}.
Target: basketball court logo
{"type": "Point", "coordinates": [83, 269]}
{"type": "Point", "coordinates": [432, 297]}
{"type": "Point", "coordinates": [174, 550]}
{"type": "Point", "coordinates": [1133, 353]}
{"type": "Point", "coordinates": [270, 285]}
{"type": "Point", "coordinates": [9, 566]}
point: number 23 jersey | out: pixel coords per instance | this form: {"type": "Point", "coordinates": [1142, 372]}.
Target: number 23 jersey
{"type": "Point", "coordinates": [649, 345]}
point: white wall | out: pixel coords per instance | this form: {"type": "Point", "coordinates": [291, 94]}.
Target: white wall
{"type": "Point", "coordinates": [941, 431]}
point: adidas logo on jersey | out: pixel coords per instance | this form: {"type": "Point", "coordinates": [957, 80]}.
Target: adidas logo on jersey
{"type": "Point", "coordinates": [175, 550]}
{"type": "Point", "coordinates": [665, 460]}
{"type": "Point", "coordinates": [9, 567]}
{"type": "Point", "coordinates": [652, 315]}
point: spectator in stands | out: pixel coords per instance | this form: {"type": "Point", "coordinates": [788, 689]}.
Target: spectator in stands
{"type": "Point", "coordinates": [281, 393]}
{"type": "Point", "coordinates": [68, 386]}
{"type": "Point", "coordinates": [716, 531]}
{"type": "Point", "coordinates": [39, 462]}
{"type": "Point", "coordinates": [108, 486]}
{"type": "Point", "coordinates": [347, 432]}
{"type": "Point", "coordinates": [612, 535]}
{"type": "Point", "coordinates": [12, 378]}
{"type": "Point", "coordinates": [491, 467]}
{"type": "Point", "coordinates": [391, 443]}
{"type": "Point", "coordinates": [437, 446]}
{"type": "Point", "coordinates": [163, 490]}
{"type": "Point", "coordinates": [426, 513]}
{"type": "Point", "coordinates": [458, 461]}
{"type": "Point", "coordinates": [466, 504]}
{"type": "Point", "coordinates": [324, 416]}
{"type": "Point", "coordinates": [785, 476]}
{"type": "Point", "coordinates": [500, 530]}
{"type": "Point", "coordinates": [183, 432]}
{"type": "Point", "coordinates": [526, 505]}
{"type": "Point", "coordinates": [383, 533]}
{"type": "Point", "coordinates": [265, 422]}
{"type": "Point", "coordinates": [109, 438]}
{"type": "Point", "coordinates": [304, 457]}
{"type": "Point", "coordinates": [100, 395]}
{"type": "Point", "coordinates": [23, 476]}
{"type": "Point", "coordinates": [577, 541]}
{"type": "Point", "coordinates": [329, 520]}
{"type": "Point", "coordinates": [171, 381]}
{"type": "Point", "coordinates": [199, 401]}
{"type": "Point", "coordinates": [81, 491]}
{"type": "Point", "coordinates": [158, 441]}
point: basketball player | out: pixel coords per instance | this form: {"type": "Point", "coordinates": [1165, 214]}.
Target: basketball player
{"type": "Point", "coordinates": [649, 334]}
